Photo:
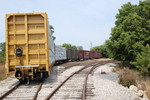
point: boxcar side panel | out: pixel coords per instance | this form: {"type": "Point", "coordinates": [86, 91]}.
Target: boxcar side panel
{"type": "Point", "coordinates": [91, 54]}
{"type": "Point", "coordinates": [97, 54]}
{"type": "Point", "coordinates": [74, 55]}
{"type": "Point", "coordinates": [80, 54]}
{"type": "Point", "coordinates": [86, 54]}
{"type": "Point", "coordinates": [69, 54]}
{"type": "Point", "coordinates": [60, 53]}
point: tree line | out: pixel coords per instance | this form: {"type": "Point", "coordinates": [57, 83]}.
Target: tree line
{"type": "Point", "coordinates": [2, 52]}
{"type": "Point", "coordinates": [70, 46]}
{"type": "Point", "coordinates": [130, 38]}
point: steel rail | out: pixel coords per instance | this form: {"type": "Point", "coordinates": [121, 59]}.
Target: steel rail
{"type": "Point", "coordinates": [86, 79]}
{"type": "Point", "coordinates": [85, 82]}
{"type": "Point", "coordinates": [36, 94]}
{"type": "Point", "coordinates": [15, 87]}
{"type": "Point", "coordinates": [10, 91]}
{"type": "Point", "coordinates": [57, 88]}
{"type": "Point", "coordinates": [68, 67]}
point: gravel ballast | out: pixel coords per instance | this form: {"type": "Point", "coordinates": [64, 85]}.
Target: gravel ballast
{"type": "Point", "coordinates": [102, 85]}
{"type": "Point", "coordinates": [107, 87]}
{"type": "Point", "coordinates": [7, 84]}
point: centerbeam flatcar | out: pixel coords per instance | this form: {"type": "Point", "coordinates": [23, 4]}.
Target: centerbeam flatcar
{"type": "Point", "coordinates": [29, 45]}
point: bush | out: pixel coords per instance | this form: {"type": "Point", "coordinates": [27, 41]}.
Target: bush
{"type": "Point", "coordinates": [2, 52]}
{"type": "Point", "coordinates": [148, 92]}
{"type": "Point", "coordinates": [127, 77]}
{"type": "Point", "coordinates": [2, 72]}
{"type": "Point", "coordinates": [143, 61]}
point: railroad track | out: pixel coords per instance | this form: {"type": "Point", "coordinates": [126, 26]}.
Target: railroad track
{"type": "Point", "coordinates": [23, 92]}
{"type": "Point", "coordinates": [70, 65]}
{"type": "Point", "coordinates": [66, 67]}
{"type": "Point", "coordinates": [20, 89]}
{"type": "Point", "coordinates": [68, 93]}
{"type": "Point", "coordinates": [74, 84]}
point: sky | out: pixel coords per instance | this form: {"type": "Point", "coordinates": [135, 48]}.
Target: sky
{"type": "Point", "coordinates": [78, 22]}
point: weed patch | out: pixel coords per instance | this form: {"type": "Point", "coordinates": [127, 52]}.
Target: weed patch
{"type": "Point", "coordinates": [127, 77]}
{"type": "Point", "coordinates": [2, 72]}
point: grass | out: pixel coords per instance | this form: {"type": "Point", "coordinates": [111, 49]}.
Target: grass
{"type": "Point", "coordinates": [148, 92]}
{"type": "Point", "coordinates": [144, 84]}
{"type": "Point", "coordinates": [129, 77]}
{"type": "Point", "coordinates": [2, 72]}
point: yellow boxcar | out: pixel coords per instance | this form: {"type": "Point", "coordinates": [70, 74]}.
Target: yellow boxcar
{"type": "Point", "coordinates": [29, 45]}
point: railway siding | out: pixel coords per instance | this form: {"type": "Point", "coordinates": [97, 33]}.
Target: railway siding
{"type": "Point", "coordinates": [102, 84]}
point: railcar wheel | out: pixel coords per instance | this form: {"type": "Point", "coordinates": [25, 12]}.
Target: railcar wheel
{"type": "Point", "coordinates": [18, 73]}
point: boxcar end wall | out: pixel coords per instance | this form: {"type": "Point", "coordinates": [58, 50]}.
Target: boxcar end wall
{"type": "Point", "coordinates": [29, 45]}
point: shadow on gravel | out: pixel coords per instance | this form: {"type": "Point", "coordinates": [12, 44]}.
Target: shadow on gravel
{"type": "Point", "coordinates": [109, 76]}
{"type": "Point", "coordinates": [53, 76]}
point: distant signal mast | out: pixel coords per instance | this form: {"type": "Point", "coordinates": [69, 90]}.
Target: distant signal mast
{"type": "Point", "coordinates": [90, 45]}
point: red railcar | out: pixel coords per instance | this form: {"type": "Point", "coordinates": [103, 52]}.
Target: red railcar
{"type": "Point", "coordinates": [91, 54]}
{"type": "Point", "coordinates": [97, 54]}
{"type": "Point", "coordinates": [86, 54]}
{"type": "Point", "coordinates": [80, 54]}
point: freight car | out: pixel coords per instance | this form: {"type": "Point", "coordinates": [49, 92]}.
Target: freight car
{"type": "Point", "coordinates": [69, 54]}
{"type": "Point", "coordinates": [81, 54]}
{"type": "Point", "coordinates": [97, 54]}
{"type": "Point", "coordinates": [61, 54]}
{"type": "Point", "coordinates": [86, 54]}
{"type": "Point", "coordinates": [74, 55]}
{"type": "Point", "coordinates": [29, 45]}
{"type": "Point", "coordinates": [92, 54]}
{"type": "Point", "coordinates": [64, 54]}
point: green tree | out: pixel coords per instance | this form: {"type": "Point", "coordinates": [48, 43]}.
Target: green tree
{"type": "Point", "coordinates": [130, 34]}
{"type": "Point", "coordinates": [143, 61]}
{"type": "Point", "coordinates": [79, 47]}
{"type": "Point", "coordinates": [144, 12]}
{"type": "Point", "coordinates": [2, 52]}
{"type": "Point", "coordinates": [69, 46]}
{"type": "Point", "coordinates": [125, 11]}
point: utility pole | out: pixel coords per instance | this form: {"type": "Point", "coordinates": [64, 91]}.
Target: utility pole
{"type": "Point", "coordinates": [90, 45]}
